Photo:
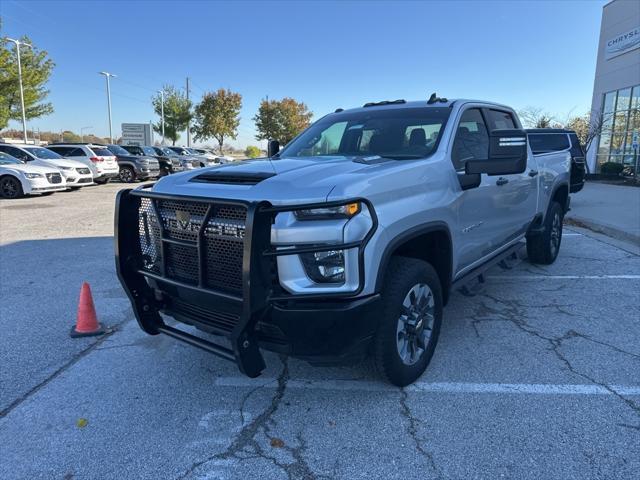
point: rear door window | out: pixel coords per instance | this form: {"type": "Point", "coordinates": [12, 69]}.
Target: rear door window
{"type": "Point", "coordinates": [500, 120]}
{"type": "Point", "coordinates": [548, 142]}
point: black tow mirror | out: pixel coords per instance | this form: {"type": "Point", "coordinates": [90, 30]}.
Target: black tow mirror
{"type": "Point", "coordinates": [273, 147]}
{"type": "Point", "coordinates": [507, 154]}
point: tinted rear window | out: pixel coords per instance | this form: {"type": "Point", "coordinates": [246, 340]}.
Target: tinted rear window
{"type": "Point", "coordinates": [102, 152]}
{"type": "Point", "coordinates": [548, 142]}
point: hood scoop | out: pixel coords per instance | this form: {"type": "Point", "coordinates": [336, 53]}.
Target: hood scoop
{"type": "Point", "coordinates": [232, 178]}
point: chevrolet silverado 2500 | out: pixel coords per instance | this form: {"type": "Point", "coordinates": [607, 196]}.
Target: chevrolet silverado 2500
{"type": "Point", "coordinates": [346, 243]}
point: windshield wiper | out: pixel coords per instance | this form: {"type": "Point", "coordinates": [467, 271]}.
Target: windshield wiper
{"type": "Point", "coordinates": [403, 156]}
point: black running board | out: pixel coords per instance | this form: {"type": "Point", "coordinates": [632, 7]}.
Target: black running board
{"type": "Point", "coordinates": [478, 272]}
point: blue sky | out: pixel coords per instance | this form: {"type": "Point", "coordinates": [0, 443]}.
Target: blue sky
{"type": "Point", "coordinates": [327, 54]}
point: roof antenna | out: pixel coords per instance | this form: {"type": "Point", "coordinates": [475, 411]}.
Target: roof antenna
{"type": "Point", "coordinates": [434, 99]}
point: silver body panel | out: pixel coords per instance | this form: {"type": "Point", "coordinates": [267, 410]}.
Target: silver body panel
{"type": "Point", "coordinates": [405, 194]}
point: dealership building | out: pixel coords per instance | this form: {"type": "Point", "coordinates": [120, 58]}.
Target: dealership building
{"type": "Point", "coordinates": [616, 91]}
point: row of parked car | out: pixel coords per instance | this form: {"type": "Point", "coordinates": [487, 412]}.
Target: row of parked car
{"type": "Point", "coordinates": [31, 169]}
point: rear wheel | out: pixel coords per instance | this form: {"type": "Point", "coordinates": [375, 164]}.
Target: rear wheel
{"type": "Point", "coordinates": [10, 187]}
{"type": "Point", "coordinates": [544, 247]}
{"type": "Point", "coordinates": [127, 175]}
{"type": "Point", "coordinates": [410, 323]}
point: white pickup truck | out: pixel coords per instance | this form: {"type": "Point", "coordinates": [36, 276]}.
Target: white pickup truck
{"type": "Point", "coordinates": [346, 243]}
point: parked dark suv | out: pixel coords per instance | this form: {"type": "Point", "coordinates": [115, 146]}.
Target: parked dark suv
{"type": "Point", "coordinates": [547, 140]}
{"type": "Point", "coordinates": [167, 164]}
{"type": "Point", "coordinates": [133, 167]}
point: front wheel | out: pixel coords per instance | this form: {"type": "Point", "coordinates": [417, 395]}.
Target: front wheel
{"type": "Point", "coordinates": [10, 187]}
{"type": "Point", "coordinates": [544, 247]}
{"type": "Point", "coordinates": [411, 315]}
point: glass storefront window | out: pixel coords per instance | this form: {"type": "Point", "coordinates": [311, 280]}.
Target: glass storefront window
{"type": "Point", "coordinates": [624, 98]}
{"type": "Point", "coordinates": [635, 97]}
{"type": "Point", "coordinates": [609, 102]}
{"type": "Point", "coordinates": [620, 118]}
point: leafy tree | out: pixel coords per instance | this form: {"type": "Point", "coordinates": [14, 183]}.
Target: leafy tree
{"type": "Point", "coordinates": [177, 112]}
{"type": "Point", "coordinates": [252, 151]}
{"type": "Point", "coordinates": [36, 69]}
{"type": "Point", "coordinates": [218, 116]}
{"type": "Point", "coordinates": [281, 119]}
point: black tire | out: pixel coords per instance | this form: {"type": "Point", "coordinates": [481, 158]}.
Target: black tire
{"type": "Point", "coordinates": [10, 187]}
{"type": "Point", "coordinates": [127, 174]}
{"type": "Point", "coordinates": [543, 248]}
{"type": "Point", "coordinates": [402, 276]}
{"type": "Point", "coordinates": [46, 194]}
{"type": "Point", "coordinates": [102, 181]}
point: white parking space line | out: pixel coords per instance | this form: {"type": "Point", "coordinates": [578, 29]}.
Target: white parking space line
{"type": "Point", "coordinates": [564, 234]}
{"type": "Point", "coordinates": [436, 387]}
{"type": "Point", "coordinates": [563, 277]}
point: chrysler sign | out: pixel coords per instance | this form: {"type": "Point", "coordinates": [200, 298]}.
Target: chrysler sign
{"type": "Point", "coordinates": [622, 43]}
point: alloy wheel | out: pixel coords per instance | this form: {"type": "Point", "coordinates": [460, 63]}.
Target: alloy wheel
{"type": "Point", "coordinates": [556, 233]}
{"type": "Point", "coordinates": [415, 324]}
{"type": "Point", "coordinates": [9, 188]}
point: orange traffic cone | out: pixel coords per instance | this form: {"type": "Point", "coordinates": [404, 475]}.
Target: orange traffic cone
{"type": "Point", "coordinates": [87, 322]}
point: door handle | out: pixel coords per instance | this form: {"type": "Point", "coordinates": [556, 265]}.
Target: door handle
{"type": "Point", "coordinates": [502, 181]}
{"type": "Point", "coordinates": [533, 173]}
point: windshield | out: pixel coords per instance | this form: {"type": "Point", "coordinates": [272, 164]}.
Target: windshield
{"type": "Point", "coordinates": [43, 153]}
{"type": "Point", "coordinates": [6, 159]}
{"type": "Point", "coordinates": [148, 151]}
{"type": "Point", "coordinates": [167, 151]}
{"type": "Point", "coordinates": [117, 150]}
{"type": "Point", "coordinates": [400, 133]}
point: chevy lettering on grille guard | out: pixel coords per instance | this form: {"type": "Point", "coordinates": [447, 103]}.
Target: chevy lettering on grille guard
{"type": "Point", "coordinates": [223, 273]}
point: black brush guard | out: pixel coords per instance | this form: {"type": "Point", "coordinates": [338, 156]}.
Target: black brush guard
{"type": "Point", "coordinates": [258, 289]}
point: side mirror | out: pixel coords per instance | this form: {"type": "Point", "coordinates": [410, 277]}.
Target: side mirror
{"type": "Point", "coordinates": [507, 154]}
{"type": "Point", "coordinates": [273, 147]}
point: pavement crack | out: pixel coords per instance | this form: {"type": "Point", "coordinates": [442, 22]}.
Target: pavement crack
{"type": "Point", "coordinates": [63, 368]}
{"type": "Point", "coordinates": [412, 431]}
{"type": "Point", "coordinates": [246, 443]}
{"type": "Point", "coordinates": [514, 313]}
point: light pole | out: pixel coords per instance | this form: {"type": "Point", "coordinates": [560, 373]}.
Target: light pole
{"type": "Point", "coordinates": [161, 92]}
{"type": "Point", "coordinates": [108, 75]}
{"type": "Point", "coordinates": [82, 129]}
{"type": "Point", "coordinates": [18, 43]}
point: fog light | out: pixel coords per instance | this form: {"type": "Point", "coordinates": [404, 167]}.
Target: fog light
{"type": "Point", "coordinates": [324, 267]}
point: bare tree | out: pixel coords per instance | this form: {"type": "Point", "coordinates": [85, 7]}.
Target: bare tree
{"type": "Point", "coordinates": [535, 117]}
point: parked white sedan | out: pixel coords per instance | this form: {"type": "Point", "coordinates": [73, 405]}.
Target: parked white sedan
{"type": "Point", "coordinates": [76, 174]}
{"type": "Point", "coordinates": [18, 179]}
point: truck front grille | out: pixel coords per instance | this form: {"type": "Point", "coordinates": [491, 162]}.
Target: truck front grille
{"type": "Point", "coordinates": [54, 177]}
{"type": "Point", "coordinates": [181, 222]}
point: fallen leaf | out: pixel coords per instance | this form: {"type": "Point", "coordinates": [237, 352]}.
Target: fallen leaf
{"type": "Point", "coordinates": [277, 443]}
{"type": "Point", "coordinates": [82, 422]}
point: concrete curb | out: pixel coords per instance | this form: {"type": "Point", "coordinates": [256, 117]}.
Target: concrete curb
{"type": "Point", "coordinates": [607, 230]}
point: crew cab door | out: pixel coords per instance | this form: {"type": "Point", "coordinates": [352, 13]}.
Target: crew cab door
{"type": "Point", "coordinates": [499, 209]}
{"type": "Point", "coordinates": [477, 231]}
{"type": "Point", "coordinates": [514, 201]}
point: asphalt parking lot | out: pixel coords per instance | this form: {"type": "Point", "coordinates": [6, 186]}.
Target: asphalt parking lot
{"type": "Point", "coordinates": [537, 376]}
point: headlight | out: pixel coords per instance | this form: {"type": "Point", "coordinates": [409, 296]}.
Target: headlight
{"type": "Point", "coordinates": [33, 175]}
{"type": "Point", "coordinates": [341, 211]}
{"type": "Point", "coordinates": [324, 267]}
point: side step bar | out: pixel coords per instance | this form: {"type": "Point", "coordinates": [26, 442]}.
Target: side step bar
{"type": "Point", "coordinates": [463, 282]}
